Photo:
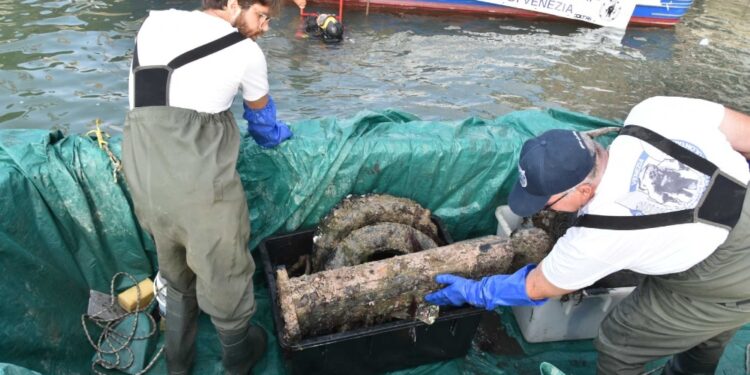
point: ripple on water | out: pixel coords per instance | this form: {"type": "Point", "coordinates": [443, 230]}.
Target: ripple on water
{"type": "Point", "coordinates": [63, 63]}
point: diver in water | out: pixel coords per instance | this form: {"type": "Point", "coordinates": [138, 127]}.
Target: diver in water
{"type": "Point", "coordinates": [326, 27]}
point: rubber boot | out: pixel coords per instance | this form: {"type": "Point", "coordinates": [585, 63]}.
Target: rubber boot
{"type": "Point", "coordinates": [242, 349]}
{"type": "Point", "coordinates": [676, 366]}
{"type": "Point", "coordinates": [182, 327]}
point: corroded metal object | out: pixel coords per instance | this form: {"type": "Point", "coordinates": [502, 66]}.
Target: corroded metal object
{"type": "Point", "coordinates": [553, 223]}
{"type": "Point", "coordinates": [356, 287]}
{"type": "Point", "coordinates": [358, 212]}
{"type": "Point", "coordinates": [529, 245]}
{"type": "Point", "coordinates": [377, 241]}
{"type": "Point", "coordinates": [374, 292]}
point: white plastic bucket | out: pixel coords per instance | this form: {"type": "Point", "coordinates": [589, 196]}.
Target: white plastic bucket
{"type": "Point", "coordinates": [507, 221]}
{"type": "Point", "coordinates": [160, 291]}
{"type": "Point", "coordinates": [576, 318]}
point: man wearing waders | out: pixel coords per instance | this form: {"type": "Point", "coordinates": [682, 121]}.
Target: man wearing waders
{"type": "Point", "coordinates": [180, 149]}
{"type": "Point", "coordinates": [668, 200]}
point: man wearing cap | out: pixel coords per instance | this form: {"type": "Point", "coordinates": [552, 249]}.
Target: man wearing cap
{"type": "Point", "coordinates": [668, 200]}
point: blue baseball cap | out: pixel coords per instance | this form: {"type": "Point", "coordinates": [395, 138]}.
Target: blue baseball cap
{"type": "Point", "coordinates": [549, 164]}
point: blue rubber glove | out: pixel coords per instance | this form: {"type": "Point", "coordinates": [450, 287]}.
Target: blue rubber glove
{"type": "Point", "coordinates": [263, 126]}
{"type": "Point", "coordinates": [489, 292]}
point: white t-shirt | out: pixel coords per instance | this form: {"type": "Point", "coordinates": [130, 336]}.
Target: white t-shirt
{"type": "Point", "coordinates": [640, 179]}
{"type": "Point", "coordinates": [210, 83]}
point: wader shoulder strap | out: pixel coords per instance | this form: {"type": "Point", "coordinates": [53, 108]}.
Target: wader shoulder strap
{"type": "Point", "coordinates": [635, 222]}
{"type": "Point", "coordinates": [670, 148]}
{"type": "Point", "coordinates": [721, 205]}
{"type": "Point", "coordinates": [151, 83]}
{"type": "Point", "coordinates": [197, 52]}
{"type": "Point", "coordinates": [206, 49]}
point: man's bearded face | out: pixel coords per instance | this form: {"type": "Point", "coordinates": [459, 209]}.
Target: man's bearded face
{"type": "Point", "coordinates": [249, 23]}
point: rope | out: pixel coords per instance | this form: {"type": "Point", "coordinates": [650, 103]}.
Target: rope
{"type": "Point", "coordinates": [114, 343]}
{"type": "Point", "coordinates": [101, 139]}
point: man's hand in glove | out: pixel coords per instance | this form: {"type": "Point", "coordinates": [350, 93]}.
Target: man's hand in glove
{"type": "Point", "coordinates": [262, 124]}
{"type": "Point", "coordinates": [488, 293]}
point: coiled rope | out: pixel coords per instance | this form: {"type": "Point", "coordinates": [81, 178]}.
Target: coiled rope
{"type": "Point", "coordinates": [111, 342]}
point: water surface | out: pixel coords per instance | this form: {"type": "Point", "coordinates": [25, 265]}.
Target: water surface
{"type": "Point", "coordinates": [64, 64]}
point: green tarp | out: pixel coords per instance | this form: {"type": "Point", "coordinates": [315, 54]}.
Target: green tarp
{"type": "Point", "coordinates": [67, 227]}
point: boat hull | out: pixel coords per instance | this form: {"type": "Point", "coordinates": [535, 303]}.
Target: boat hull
{"type": "Point", "coordinates": [662, 14]}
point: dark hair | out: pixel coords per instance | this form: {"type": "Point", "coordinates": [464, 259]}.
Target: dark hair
{"type": "Point", "coordinates": [220, 4]}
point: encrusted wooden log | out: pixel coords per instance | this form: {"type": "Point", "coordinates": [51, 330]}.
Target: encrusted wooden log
{"type": "Point", "coordinates": [368, 293]}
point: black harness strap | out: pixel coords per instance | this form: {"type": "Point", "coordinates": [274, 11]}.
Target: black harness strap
{"type": "Point", "coordinates": [636, 222]}
{"type": "Point", "coordinates": [206, 49]}
{"type": "Point", "coordinates": [721, 205]}
{"type": "Point", "coordinates": [151, 83]}
{"type": "Point", "coordinates": [670, 148]}
{"type": "Point", "coordinates": [197, 52]}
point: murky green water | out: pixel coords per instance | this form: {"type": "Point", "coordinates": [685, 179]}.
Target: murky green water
{"type": "Point", "coordinates": [64, 63]}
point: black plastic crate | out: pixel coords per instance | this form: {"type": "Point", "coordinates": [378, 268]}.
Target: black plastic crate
{"type": "Point", "coordinates": [379, 348]}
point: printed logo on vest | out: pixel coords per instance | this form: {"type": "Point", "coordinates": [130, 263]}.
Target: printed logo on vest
{"type": "Point", "coordinates": [660, 183]}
